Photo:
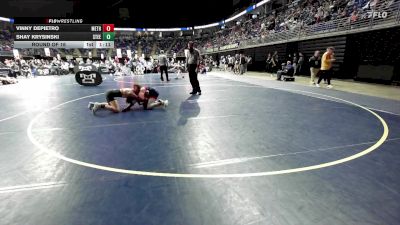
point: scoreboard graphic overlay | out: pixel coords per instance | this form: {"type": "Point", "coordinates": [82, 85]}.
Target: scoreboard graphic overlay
{"type": "Point", "coordinates": [62, 33]}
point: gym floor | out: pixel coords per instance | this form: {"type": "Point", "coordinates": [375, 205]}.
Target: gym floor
{"type": "Point", "coordinates": [247, 151]}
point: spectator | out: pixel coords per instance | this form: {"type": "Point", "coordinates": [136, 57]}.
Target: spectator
{"type": "Point", "coordinates": [242, 63]}
{"type": "Point", "coordinates": [288, 70]}
{"type": "Point", "coordinates": [295, 60]}
{"type": "Point", "coordinates": [275, 61]}
{"type": "Point", "coordinates": [300, 63]}
{"type": "Point", "coordinates": [315, 65]}
{"type": "Point", "coordinates": [326, 66]}
{"type": "Point", "coordinates": [268, 63]}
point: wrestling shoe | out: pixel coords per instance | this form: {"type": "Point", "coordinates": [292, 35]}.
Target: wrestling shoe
{"type": "Point", "coordinates": [90, 106]}
{"type": "Point", "coordinates": [329, 86]}
{"type": "Point", "coordinates": [164, 103]}
{"type": "Point", "coordinates": [317, 85]}
{"type": "Point", "coordinates": [96, 107]}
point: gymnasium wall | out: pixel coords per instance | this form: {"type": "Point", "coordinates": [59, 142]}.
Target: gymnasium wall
{"type": "Point", "coordinates": [372, 56]}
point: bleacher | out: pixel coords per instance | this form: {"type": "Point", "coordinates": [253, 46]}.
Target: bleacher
{"type": "Point", "coordinates": [323, 21]}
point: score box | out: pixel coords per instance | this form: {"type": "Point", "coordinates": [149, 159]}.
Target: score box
{"type": "Point", "coordinates": [108, 27]}
{"type": "Point", "coordinates": [108, 36]}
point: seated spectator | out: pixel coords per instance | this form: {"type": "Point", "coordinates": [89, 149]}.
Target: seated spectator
{"type": "Point", "coordinates": [8, 80]}
{"type": "Point", "coordinates": [287, 70]}
{"type": "Point", "coordinates": [353, 17]}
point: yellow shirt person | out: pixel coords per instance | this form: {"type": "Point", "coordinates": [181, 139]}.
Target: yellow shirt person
{"type": "Point", "coordinates": [326, 65]}
{"type": "Point", "coordinates": [327, 59]}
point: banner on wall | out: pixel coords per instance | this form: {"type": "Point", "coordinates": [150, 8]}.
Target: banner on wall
{"type": "Point", "coordinates": [209, 50]}
{"type": "Point", "coordinates": [225, 47]}
{"type": "Point", "coordinates": [47, 52]}
{"type": "Point", "coordinates": [119, 53]}
{"type": "Point", "coordinates": [16, 53]}
{"type": "Point", "coordinates": [231, 46]}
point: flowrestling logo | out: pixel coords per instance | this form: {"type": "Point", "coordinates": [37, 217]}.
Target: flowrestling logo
{"type": "Point", "coordinates": [375, 15]}
{"type": "Point", "coordinates": [68, 21]}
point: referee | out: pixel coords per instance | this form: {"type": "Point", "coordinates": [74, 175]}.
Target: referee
{"type": "Point", "coordinates": [192, 63]}
{"type": "Point", "coordinates": [163, 62]}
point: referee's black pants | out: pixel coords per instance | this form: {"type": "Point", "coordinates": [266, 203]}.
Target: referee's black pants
{"type": "Point", "coordinates": [193, 77]}
{"type": "Point", "coordinates": [162, 69]}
